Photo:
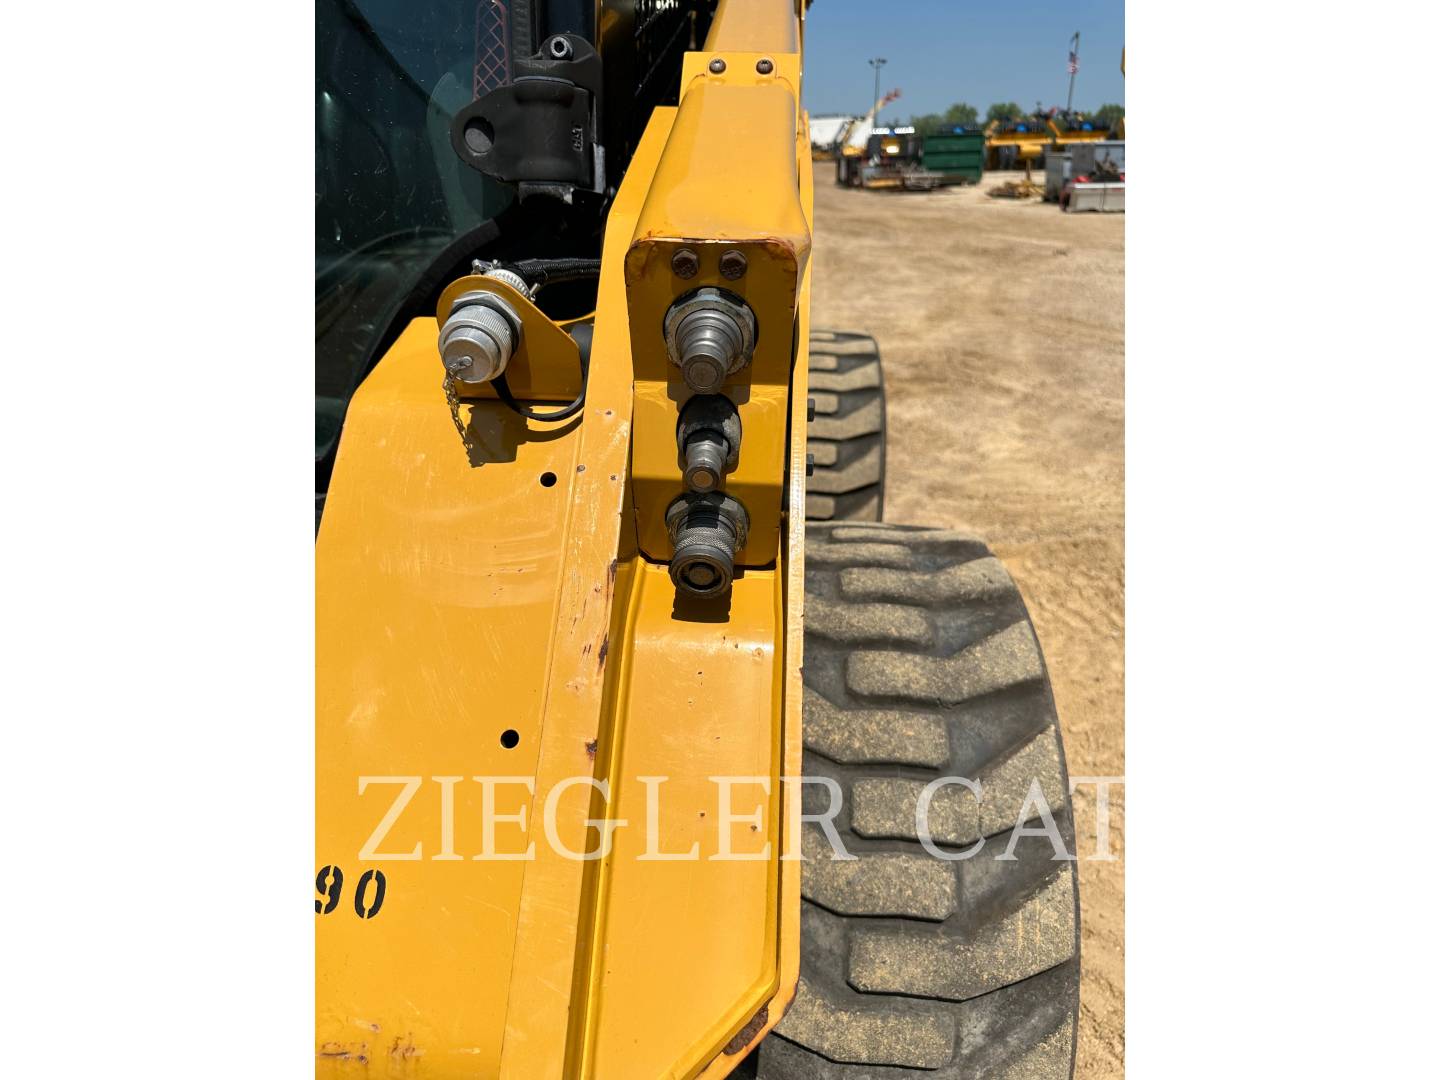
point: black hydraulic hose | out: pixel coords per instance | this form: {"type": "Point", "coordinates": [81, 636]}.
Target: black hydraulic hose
{"type": "Point", "coordinates": [583, 335]}
{"type": "Point", "coordinates": [539, 273]}
{"type": "Point", "coordinates": [542, 272]}
{"type": "Point", "coordinates": [502, 391]}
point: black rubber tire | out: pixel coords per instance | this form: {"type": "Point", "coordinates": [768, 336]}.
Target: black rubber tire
{"type": "Point", "coordinates": [921, 662]}
{"type": "Point", "coordinates": [847, 436]}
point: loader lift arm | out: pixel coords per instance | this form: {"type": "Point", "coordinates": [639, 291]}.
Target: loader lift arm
{"type": "Point", "coordinates": [504, 658]}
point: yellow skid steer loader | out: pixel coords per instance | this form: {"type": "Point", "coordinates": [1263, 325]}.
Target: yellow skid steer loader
{"type": "Point", "coordinates": [644, 748]}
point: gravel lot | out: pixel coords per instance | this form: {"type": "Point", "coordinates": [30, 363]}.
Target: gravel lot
{"type": "Point", "coordinates": [1001, 325]}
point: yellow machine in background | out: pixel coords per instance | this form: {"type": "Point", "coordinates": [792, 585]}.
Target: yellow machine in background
{"type": "Point", "coordinates": [1070, 130]}
{"type": "Point", "coordinates": [826, 134]}
{"type": "Point", "coordinates": [852, 146]}
{"type": "Point", "coordinates": [1016, 143]}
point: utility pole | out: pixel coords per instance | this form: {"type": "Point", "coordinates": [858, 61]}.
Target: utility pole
{"type": "Point", "coordinates": [877, 63]}
{"type": "Point", "coordinates": [1074, 67]}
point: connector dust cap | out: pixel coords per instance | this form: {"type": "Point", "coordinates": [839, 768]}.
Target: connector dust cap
{"type": "Point", "coordinates": [479, 337]}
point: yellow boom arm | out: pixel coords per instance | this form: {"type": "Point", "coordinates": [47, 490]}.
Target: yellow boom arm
{"type": "Point", "coordinates": [526, 867]}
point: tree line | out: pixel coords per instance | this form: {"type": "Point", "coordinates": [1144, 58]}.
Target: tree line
{"type": "Point", "coordinates": [962, 115]}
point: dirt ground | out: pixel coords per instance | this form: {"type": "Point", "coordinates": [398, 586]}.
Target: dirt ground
{"type": "Point", "coordinates": [1001, 328]}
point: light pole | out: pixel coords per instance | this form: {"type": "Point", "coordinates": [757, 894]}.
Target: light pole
{"type": "Point", "coordinates": [877, 63]}
{"type": "Point", "coordinates": [1074, 67]}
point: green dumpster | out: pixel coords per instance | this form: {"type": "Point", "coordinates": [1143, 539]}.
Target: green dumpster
{"type": "Point", "coordinates": [958, 156]}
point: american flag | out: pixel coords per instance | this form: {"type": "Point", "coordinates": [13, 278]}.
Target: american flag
{"type": "Point", "coordinates": [1074, 62]}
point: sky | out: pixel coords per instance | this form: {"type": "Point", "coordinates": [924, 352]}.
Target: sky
{"type": "Point", "coordinates": [976, 51]}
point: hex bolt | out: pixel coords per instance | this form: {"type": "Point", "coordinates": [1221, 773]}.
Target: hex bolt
{"type": "Point", "coordinates": [707, 531]}
{"type": "Point", "coordinates": [717, 66]}
{"type": "Point", "coordinates": [733, 265]}
{"type": "Point", "coordinates": [685, 263]}
{"type": "Point", "coordinates": [764, 65]}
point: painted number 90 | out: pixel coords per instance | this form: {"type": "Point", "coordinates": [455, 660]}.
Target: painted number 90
{"type": "Point", "coordinates": [369, 894]}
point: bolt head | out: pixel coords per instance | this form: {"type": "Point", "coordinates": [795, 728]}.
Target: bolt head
{"type": "Point", "coordinates": [733, 265]}
{"type": "Point", "coordinates": [685, 263]}
{"type": "Point", "coordinates": [765, 65]}
{"type": "Point", "coordinates": [717, 66]}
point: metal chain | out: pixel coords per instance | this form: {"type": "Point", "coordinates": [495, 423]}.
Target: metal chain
{"type": "Point", "coordinates": [453, 400]}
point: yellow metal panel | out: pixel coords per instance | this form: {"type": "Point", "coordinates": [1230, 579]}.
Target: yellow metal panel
{"type": "Point", "coordinates": [686, 950]}
{"type": "Point", "coordinates": [457, 596]}
{"type": "Point", "coordinates": [437, 579]}
{"type": "Point", "coordinates": [554, 905]}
